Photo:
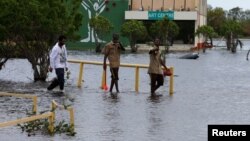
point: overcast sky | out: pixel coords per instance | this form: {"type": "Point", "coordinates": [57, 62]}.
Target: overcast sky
{"type": "Point", "coordinates": [229, 4]}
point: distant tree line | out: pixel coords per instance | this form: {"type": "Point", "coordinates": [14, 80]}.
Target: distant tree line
{"type": "Point", "coordinates": [232, 25]}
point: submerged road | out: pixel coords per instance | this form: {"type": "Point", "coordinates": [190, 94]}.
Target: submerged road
{"type": "Point", "coordinates": [213, 89]}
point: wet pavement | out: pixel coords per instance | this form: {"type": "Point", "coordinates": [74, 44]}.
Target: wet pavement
{"type": "Point", "coordinates": [213, 89]}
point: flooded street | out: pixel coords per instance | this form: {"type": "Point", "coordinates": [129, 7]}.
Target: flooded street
{"type": "Point", "coordinates": [213, 89]}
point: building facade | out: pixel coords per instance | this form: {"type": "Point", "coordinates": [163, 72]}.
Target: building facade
{"type": "Point", "coordinates": [188, 14]}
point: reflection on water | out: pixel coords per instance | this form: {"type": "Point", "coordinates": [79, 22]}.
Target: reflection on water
{"type": "Point", "coordinates": [214, 89]}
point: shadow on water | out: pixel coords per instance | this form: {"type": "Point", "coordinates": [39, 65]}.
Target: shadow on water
{"type": "Point", "coordinates": [213, 89]}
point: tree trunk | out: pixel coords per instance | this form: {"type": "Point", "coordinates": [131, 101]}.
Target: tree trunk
{"type": "Point", "coordinates": [166, 44]}
{"type": "Point", "coordinates": [133, 46]}
{"type": "Point", "coordinates": [39, 71]}
{"type": "Point", "coordinates": [97, 44]}
{"type": "Point", "coordinates": [3, 62]}
{"type": "Point", "coordinates": [40, 65]}
{"type": "Point", "coordinates": [228, 42]}
{"type": "Point", "coordinates": [98, 48]}
{"type": "Point", "coordinates": [233, 49]}
{"type": "Point", "coordinates": [211, 41]}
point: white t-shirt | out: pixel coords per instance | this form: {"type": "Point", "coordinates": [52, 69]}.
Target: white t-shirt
{"type": "Point", "coordinates": [58, 57]}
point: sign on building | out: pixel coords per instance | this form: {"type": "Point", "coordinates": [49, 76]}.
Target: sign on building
{"type": "Point", "coordinates": [158, 15]}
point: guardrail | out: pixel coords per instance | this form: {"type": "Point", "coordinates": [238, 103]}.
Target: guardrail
{"type": "Point", "coordinates": [49, 115]}
{"type": "Point", "coordinates": [34, 98]}
{"type": "Point", "coordinates": [137, 72]}
{"type": "Point", "coordinates": [71, 113]}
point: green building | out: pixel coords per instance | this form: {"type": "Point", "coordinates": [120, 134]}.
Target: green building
{"type": "Point", "coordinates": [188, 14]}
{"type": "Point", "coordinates": [113, 10]}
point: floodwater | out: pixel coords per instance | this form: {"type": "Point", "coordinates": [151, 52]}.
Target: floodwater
{"type": "Point", "coordinates": [214, 89]}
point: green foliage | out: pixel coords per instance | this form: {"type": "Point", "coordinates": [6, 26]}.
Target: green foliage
{"type": "Point", "coordinates": [206, 31]}
{"type": "Point", "coordinates": [101, 25]}
{"type": "Point", "coordinates": [246, 27]}
{"type": "Point", "coordinates": [42, 125]}
{"type": "Point", "coordinates": [215, 18]}
{"type": "Point", "coordinates": [34, 26]}
{"type": "Point", "coordinates": [164, 28]}
{"type": "Point", "coordinates": [133, 30]}
{"type": "Point", "coordinates": [232, 26]}
{"type": "Point", "coordinates": [222, 20]}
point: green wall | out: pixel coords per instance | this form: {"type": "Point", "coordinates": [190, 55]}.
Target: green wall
{"type": "Point", "coordinates": [114, 10]}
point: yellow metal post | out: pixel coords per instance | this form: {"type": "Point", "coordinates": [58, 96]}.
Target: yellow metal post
{"type": "Point", "coordinates": [79, 84]}
{"type": "Point", "coordinates": [72, 121]}
{"type": "Point", "coordinates": [136, 79]}
{"type": "Point", "coordinates": [34, 104]}
{"type": "Point", "coordinates": [171, 83]}
{"type": "Point", "coordinates": [51, 122]}
{"type": "Point", "coordinates": [53, 109]}
{"type": "Point", "coordinates": [52, 117]}
{"type": "Point", "coordinates": [103, 78]}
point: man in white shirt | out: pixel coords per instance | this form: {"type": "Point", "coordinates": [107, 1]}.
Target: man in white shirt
{"type": "Point", "coordinates": [58, 61]}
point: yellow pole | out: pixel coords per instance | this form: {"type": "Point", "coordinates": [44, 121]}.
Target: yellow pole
{"type": "Point", "coordinates": [53, 109]}
{"type": "Point", "coordinates": [35, 104]}
{"type": "Point", "coordinates": [103, 78]}
{"type": "Point", "coordinates": [137, 79]}
{"type": "Point", "coordinates": [171, 83]}
{"type": "Point", "coordinates": [72, 121]}
{"type": "Point", "coordinates": [52, 117]}
{"type": "Point", "coordinates": [51, 123]}
{"type": "Point", "coordinates": [80, 75]}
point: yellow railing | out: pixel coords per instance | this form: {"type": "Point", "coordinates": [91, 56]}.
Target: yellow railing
{"type": "Point", "coordinates": [34, 98]}
{"type": "Point", "coordinates": [136, 66]}
{"type": "Point", "coordinates": [71, 112]}
{"type": "Point", "coordinates": [49, 115]}
{"type": "Point", "coordinates": [32, 118]}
